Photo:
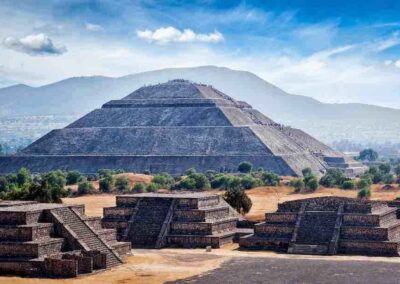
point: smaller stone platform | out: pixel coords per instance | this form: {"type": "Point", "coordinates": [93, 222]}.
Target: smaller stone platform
{"type": "Point", "coordinates": [54, 240]}
{"type": "Point", "coordinates": [329, 225]}
{"type": "Point", "coordinates": [173, 220]}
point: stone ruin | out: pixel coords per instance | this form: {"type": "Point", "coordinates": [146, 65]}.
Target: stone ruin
{"type": "Point", "coordinates": [174, 126]}
{"type": "Point", "coordinates": [54, 240]}
{"type": "Point", "coordinates": [328, 226]}
{"type": "Point", "coordinates": [172, 220]}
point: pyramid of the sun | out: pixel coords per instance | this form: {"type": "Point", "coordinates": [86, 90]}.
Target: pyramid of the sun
{"type": "Point", "coordinates": [174, 126]}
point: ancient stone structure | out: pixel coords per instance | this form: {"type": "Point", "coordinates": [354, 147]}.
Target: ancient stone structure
{"type": "Point", "coordinates": [173, 220]}
{"type": "Point", "coordinates": [54, 240]}
{"type": "Point", "coordinates": [174, 126]}
{"type": "Point", "coordinates": [329, 225]}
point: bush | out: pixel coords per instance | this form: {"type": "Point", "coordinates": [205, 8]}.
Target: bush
{"type": "Point", "coordinates": [85, 187]}
{"type": "Point", "coordinates": [363, 183]}
{"type": "Point", "coordinates": [139, 188]}
{"type": "Point", "coordinates": [388, 179]}
{"type": "Point", "coordinates": [248, 182]}
{"type": "Point", "coordinates": [190, 171]}
{"type": "Point", "coordinates": [270, 179]}
{"type": "Point", "coordinates": [201, 181]}
{"type": "Point", "coordinates": [106, 183]}
{"type": "Point", "coordinates": [23, 177]}
{"type": "Point", "coordinates": [238, 199]}
{"type": "Point", "coordinates": [122, 184]}
{"type": "Point", "coordinates": [364, 193]}
{"type": "Point", "coordinates": [73, 177]}
{"type": "Point", "coordinates": [369, 155]}
{"type": "Point", "coordinates": [105, 173]}
{"type": "Point", "coordinates": [332, 177]}
{"type": "Point", "coordinates": [384, 168]}
{"type": "Point", "coordinates": [187, 183]}
{"type": "Point", "coordinates": [4, 184]}
{"type": "Point", "coordinates": [245, 167]}
{"type": "Point", "coordinates": [234, 182]}
{"type": "Point", "coordinates": [220, 181]}
{"type": "Point", "coordinates": [146, 172]}
{"type": "Point", "coordinates": [312, 184]}
{"type": "Point", "coordinates": [152, 187]}
{"type": "Point", "coordinates": [164, 180]}
{"type": "Point", "coordinates": [397, 170]}
{"type": "Point", "coordinates": [298, 184]}
{"type": "Point", "coordinates": [348, 184]}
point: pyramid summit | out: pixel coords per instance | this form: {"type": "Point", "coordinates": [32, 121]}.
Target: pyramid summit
{"type": "Point", "coordinates": [171, 127]}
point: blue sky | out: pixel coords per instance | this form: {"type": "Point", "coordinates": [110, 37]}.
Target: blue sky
{"type": "Point", "coordinates": [335, 51]}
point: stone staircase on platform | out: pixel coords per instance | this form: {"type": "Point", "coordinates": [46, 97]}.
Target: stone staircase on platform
{"type": "Point", "coordinates": [328, 225]}
{"type": "Point", "coordinates": [177, 220]}
{"type": "Point", "coordinates": [54, 240]}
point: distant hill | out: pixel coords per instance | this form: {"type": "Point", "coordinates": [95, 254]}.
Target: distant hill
{"type": "Point", "coordinates": [328, 122]}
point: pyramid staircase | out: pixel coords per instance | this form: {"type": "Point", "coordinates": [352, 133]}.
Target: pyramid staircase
{"type": "Point", "coordinates": [327, 226]}
{"type": "Point", "coordinates": [54, 240]}
{"type": "Point", "coordinates": [178, 220]}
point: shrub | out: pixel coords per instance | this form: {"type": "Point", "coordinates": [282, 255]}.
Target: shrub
{"type": "Point", "coordinates": [245, 167]}
{"type": "Point", "coordinates": [152, 187]}
{"type": "Point", "coordinates": [332, 177]}
{"type": "Point", "coordinates": [106, 183]}
{"type": "Point", "coordinates": [105, 173]}
{"type": "Point", "coordinates": [348, 184]}
{"type": "Point", "coordinates": [146, 172]}
{"type": "Point", "coordinates": [23, 177]}
{"type": "Point", "coordinates": [187, 183]}
{"type": "Point", "coordinates": [92, 177]}
{"type": "Point", "coordinates": [164, 180]}
{"type": "Point", "coordinates": [363, 183]}
{"type": "Point", "coordinates": [248, 182]}
{"type": "Point", "coordinates": [201, 181]}
{"type": "Point", "coordinates": [220, 181]}
{"type": "Point", "coordinates": [270, 179]}
{"type": "Point", "coordinates": [139, 188]}
{"type": "Point", "coordinates": [238, 199]}
{"type": "Point", "coordinates": [369, 155]}
{"type": "Point", "coordinates": [388, 179]}
{"type": "Point", "coordinates": [190, 171]}
{"type": "Point", "coordinates": [55, 181]}
{"type": "Point", "coordinates": [4, 184]}
{"type": "Point", "coordinates": [384, 168]}
{"type": "Point", "coordinates": [234, 182]}
{"type": "Point", "coordinates": [364, 193]}
{"type": "Point", "coordinates": [312, 184]}
{"type": "Point", "coordinates": [85, 187]}
{"type": "Point", "coordinates": [397, 170]}
{"type": "Point", "coordinates": [298, 184]}
{"type": "Point", "coordinates": [122, 184]}
{"type": "Point", "coordinates": [73, 177]}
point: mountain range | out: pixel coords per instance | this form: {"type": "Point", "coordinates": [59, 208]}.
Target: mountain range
{"type": "Point", "coordinates": [328, 122]}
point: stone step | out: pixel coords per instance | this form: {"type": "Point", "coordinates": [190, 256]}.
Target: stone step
{"type": "Point", "coordinates": [281, 217]}
{"type": "Point", "coordinates": [364, 247]}
{"type": "Point", "coordinates": [308, 249]}
{"type": "Point", "coordinates": [24, 233]}
{"type": "Point", "coordinates": [31, 249]}
{"type": "Point", "coordinates": [264, 243]}
{"type": "Point", "coordinates": [274, 230]}
{"type": "Point", "coordinates": [372, 220]}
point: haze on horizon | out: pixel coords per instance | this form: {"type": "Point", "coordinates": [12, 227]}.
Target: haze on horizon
{"type": "Point", "coordinates": [341, 51]}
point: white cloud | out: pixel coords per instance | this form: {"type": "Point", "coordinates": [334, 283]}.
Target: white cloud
{"type": "Point", "coordinates": [397, 64]}
{"type": "Point", "coordinates": [93, 27]}
{"type": "Point", "coordinates": [170, 34]}
{"type": "Point", "coordinates": [387, 43]}
{"type": "Point", "coordinates": [34, 44]}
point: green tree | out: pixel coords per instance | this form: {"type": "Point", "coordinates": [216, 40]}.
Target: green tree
{"type": "Point", "coordinates": [312, 184]}
{"type": "Point", "coordinates": [298, 184]}
{"type": "Point", "coordinates": [139, 188]}
{"type": "Point", "coordinates": [220, 181]}
{"type": "Point", "coordinates": [384, 168]}
{"type": "Point", "coordinates": [270, 179]}
{"type": "Point", "coordinates": [388, 178]}
{"type": "Point", "coordinates": [201, 181]}
{"type": "Point", "coordinates": [23, 177]}
{"type": "Point", "coordinates": [348, 184]}
{"type": "Point", "coordinates": [73, 177]}
{"type": "Point", "coordinates": [363, 183]}
{"type": "Point", "coordinates": [122, 184]}
{"type": "Point", "coordinates": [164, 180]}
{"type": "Point", "coordinates": [248, 182]}
{"type": "Point", "coordinates": [106, 183]}
{"type": "Point", "coordinates": [4, 184]}
{"type": "Point", "coordinates": [332, 177]}
{"type": "Point", "coordinates": [364, 193]}
{"type": "Point", "coordinates": [368, 155]}
{"type": "Point", "coordinates": [234, 182]}
{"type": "Point", "coordinates": [152, 187]}
{"type": "Point", "coordinates": [397, 170]}
{"type": "Point", "coordinates": [85, 187]}
{"type": "Point", "coordinates": [190, 171]}
{"type": "Point", "coordinates": [187, 183]}
{"type": "Point", "coordinates": [245, 167]}
{"type": "Point", "coordinates": [1, 150]}
{"type": "Point", "coordinates": [238, 199]}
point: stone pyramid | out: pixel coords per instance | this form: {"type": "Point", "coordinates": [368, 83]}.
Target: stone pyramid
{"type": "Point", "coordinates": [174, 126]}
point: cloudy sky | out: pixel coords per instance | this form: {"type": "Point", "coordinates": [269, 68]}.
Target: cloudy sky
{"type": "Point", "coordinates": [335, 51]}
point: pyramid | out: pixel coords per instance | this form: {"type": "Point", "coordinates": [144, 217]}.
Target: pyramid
{"type": "Point", "coordinates": [174, 126]}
